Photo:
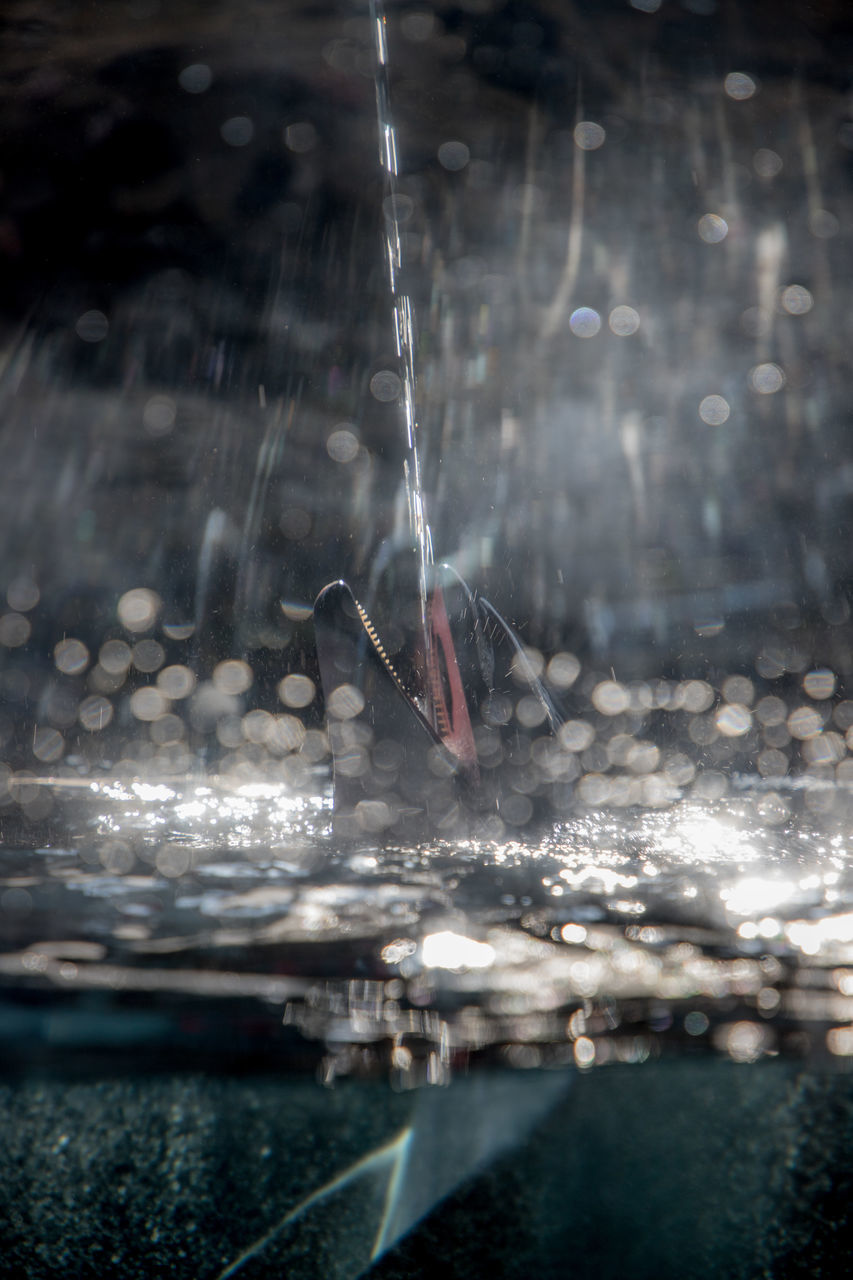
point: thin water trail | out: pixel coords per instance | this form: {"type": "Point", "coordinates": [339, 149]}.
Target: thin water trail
{"type": "Point", "coordinates": [403, 317]}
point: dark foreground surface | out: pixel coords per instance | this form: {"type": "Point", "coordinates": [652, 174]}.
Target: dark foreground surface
{"type": "Point", "coordinates": [678, 1168]}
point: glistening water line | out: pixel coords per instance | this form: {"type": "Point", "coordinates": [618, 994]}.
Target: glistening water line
{"type": "Point", "coordinates": [404, 318]}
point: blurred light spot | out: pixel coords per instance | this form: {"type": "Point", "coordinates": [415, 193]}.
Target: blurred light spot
{"type": "Point", "coordinates": [643, 757]}
{"type": "Point", "coordinates": [48, 745]}
{"type": "Point", "coordinates": [711, 840]}
{"type": "Point", "coordinates": [516, 809]}
{"type": "Point", "coordinates": [453, 156]}
{"type": "Point", "coordinates": [233, 676]}
{"type": "Point", "coordinates": [116, 857]}
{"type": "Point", "coordinates": [95, 713]}
{"type": "Point", "coordinates": [398, 950]}
{"type": "Point", "coordinates": [115, 657]}
{"type": "Point", "coordinates": [585, 323]}
{"type": "Point", "coordinates": [696, 1023]}
{"type": "Point", "coordinates": [744, 1041]}
{"type": "Point", "coordinates": [342, 445]}
{"type": "Point", "coordinates": [645, 6]}
{"type": "Point", "coordinates": [454, 951]}
{"type": "Point", "coordinates": [738, 689]}
{"type": "Point", "coordinates": [148, 655]}
{"type": "Point", "coordinates": [772, 710]}
{"type": "Point", "coordinates": [714, 410]}
{"type": "Point", "coordinates": [176, 682]}
{"type": "Point", "coordinates": [496, 709]}
{"type": "Point", "coordinates": [766, 379]}
{"type": "Point", "coordinates": [563, 670]}
{"type": "Point", "coordinates": [624, 321]}
{"type": "Point", "coordinates": [168, 729]}
{"type": "Point", "coordinates": [819, 684]}
{"type": "Point", "coordinates": [296, 691]}
{"type": "Point", "coordinates": [196, 78]}
{"type": "Point", "coordinates": [173, 860]}
{"type": "Point", "coordinates": [573, 934]}
{"type": "Point", "coordinates": [418, 26]}
{"type": "Point", "coordinates": [796, 300]}
{"type": "Point", "coordinates": [766, 163]}
{"type": "Point", "coordinates": [373, 816]}
{"type": "Point", "coordinates": [824, 749]}
{"type": "Point", "coordinates": [823, 224]}
{"type": "Point", "coordinates": [158, 415]}
{"type": "Point", "coordinates": [610, 698]}
{"type": "Point", "coordinates": [804, 723]}
{"type": "Point", "coordinates": [14, 630]}
{"type": "Point", "coordinates": [16, 900]}
{"type": "Point", "coordinates": [839, 1041]}
{"type": "Point", "coordinates": [257, 725]}
{"type": "Point", "coordinates": [385, 386]}
{"type": "Point", "coordinates": [237, 131]}
{"type": "Point", "coordinates": [733, 720]}
{"type": "Point", "coordinates": [772, 763]}
{"type": "Point", "coordinates": [138, 609]}
{"type": "Point", "coordinates": [23, 594]}
{"type": "Point", "coordinates": [71, 657]}
{"type": "Point", "coordinates": [300, 137]}
{"type": "Point", "coordinates": [757, 895]}
{"type": "Point", "coordinates": [92, 326]}
{"type": "Point", "coordinates": [739, 85]}
{"type": "Point", "coordinates": [756, 322]}
{"type": "Point", "coordinates": [295, 523]}
{"type": "Point", "coordinates": [529, 711]}
{"type": "Point", "coordinates": [712, 228]}
{"type": "Point", "coordinates": [345, 702]}
{"type": "Point", "coordinates": [588, 135]}
{"type": "Point", "coordinates": [178, 630]}
{"type": "Point", "coordinates": [576, 735]}
{"type": "Point", "coordinates": [584, 1048]}
{"type": "Point", "coordinates": [289, 734]}
{"type": "Point", "coordinates": [398, 208]}
{"type": "Point", "coordinates": [147, 703]}
{"type": "Point", "coordinates": [527, 666]}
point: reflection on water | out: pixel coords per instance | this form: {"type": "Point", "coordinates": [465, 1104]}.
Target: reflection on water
{"type": "Point", "coordinates": [603, 938]}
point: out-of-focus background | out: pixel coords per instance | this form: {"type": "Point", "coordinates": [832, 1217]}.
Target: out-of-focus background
{"type": "Point", "coordinates": [626, 236]}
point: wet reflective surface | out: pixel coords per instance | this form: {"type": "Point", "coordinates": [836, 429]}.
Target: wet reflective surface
{"type": "Point", "coordinates": [554, 294]}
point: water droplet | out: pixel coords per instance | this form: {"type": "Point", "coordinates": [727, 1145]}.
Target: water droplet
{"type": "Point", "coordinates": [766, 163]}
{"type": "Point", "coordinates": [238, 131]}
{"type": "Point", "coordinates": [300, 137]}
{"type": "Point", "coordinates": [712, 228]}
{"type": "Point", "coordinates": [624, 321]}
{"type": "Point", "coordinates": [453, 156]}
{"type": "Point", "coordinates": [71, 657]}
{"type": "Point", "coordinates": [584, 322]}
{"type": "Point", "coordinates": [588, 135]}
{"type": "Point", "coordinates": [385, 386]}
{"type": "Point", "coordinates": [92, 326]}
{"type": "Point", "coordinates": [796, 300]}
{"type": "Point", "coordinates": [766, 379]}
{"type": "Point", "coordinates": [714, 410]}
{"type": "Point", "coordinates": [138, 608]}
{"type": "Point", "coordinates": [196, 78]}
{"type": "Point", "coordinates": [739, 85]}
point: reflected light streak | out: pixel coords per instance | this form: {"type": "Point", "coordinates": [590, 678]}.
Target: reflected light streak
{"type": "Point", "coordinates": [447, 950]}
{"type": "Point", "coordinates": [710, 840]}
{"type": "Point", "coordinates": [757, 895]}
